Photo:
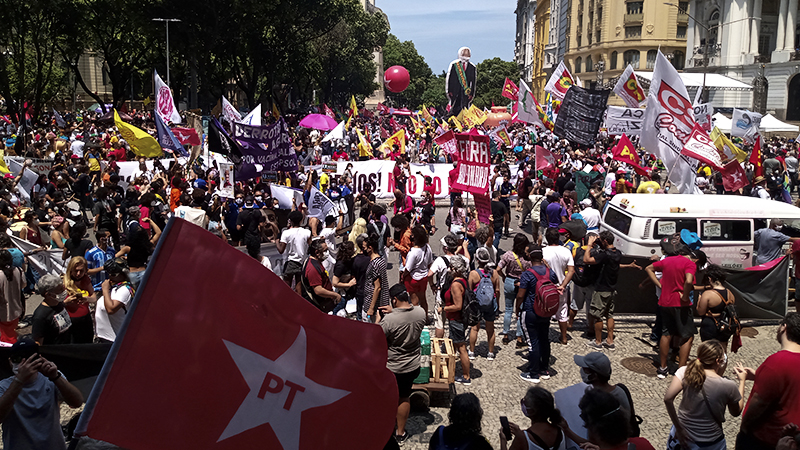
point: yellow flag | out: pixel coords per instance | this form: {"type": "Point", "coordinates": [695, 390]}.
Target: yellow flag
{"type": "Point", "coordinates": [426, 114]}
{"type": "Point", "coordinates": [364, 149]}
{"type": "Point", "coordinates": [3, 167]}
{"type": "Point", "coordinates": [416, 124]}
{"type": "Point", "coordinates": [467, 119]}
{"type": "Point", "coordinates": [353, 106]}
{"type": "Point", "coordinates": [347, 125]}
{"type": "Point", "coordinates": [479, 116]}
{"type": "Point", "coordinates": [142, 143]}
{"type": "Point", "coordinates": [398, 138]}
{"type": "Point", "coordinates": [456, 123]}
{"type": "Point", "coordinates": [724, 145]}
{"type": "Point", "coordinates": [147, 100]}
{"type": "Point", "coordinates": [275, 113]}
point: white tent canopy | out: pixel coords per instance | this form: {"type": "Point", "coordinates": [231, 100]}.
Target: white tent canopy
{"type": "Point", "coordinates": [722, 122]}
{"type": "Point", "coordinates": [713, 81]}
{"type": "Point", "coordinates": [770, 124]}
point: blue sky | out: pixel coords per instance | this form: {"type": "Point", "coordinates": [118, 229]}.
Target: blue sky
{"type": "Point", "coordinates": [439, 28]}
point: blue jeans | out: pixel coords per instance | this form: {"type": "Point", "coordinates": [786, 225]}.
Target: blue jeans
{"type": "Point", "coordinates": [511, 298]}
{"type": "Point", "coordinates": [537, 330]}
{"type": "Point", "coordinates": [497, 236]}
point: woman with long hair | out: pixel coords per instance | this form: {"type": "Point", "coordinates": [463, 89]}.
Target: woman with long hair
{"type": "Point", "coordinates": [12, 281]}
{"type": "Point", "coordinates": [458, 217]}
{"type": "Point", "coordinates": [359, 228]}
{"type": "Point", "coordinates": [60, 232]}
{"type": "Point", "coordinates": [30, 230]}
{"type": "Point", "coordinates": [81, 293]}
{"type": "Point", "coordinates": [464, 430]}
{"type": "Point", "coordinates": [712, 304]}
{"type": "Point", "coordinates": [343, 278]}
{"type": "Point", "coordinates": [544, 433]}
{"type": "Point", "coordinates": [140, 246]}
{"type": "Point", "coordinates": [415, 273]}
{"type": "Point", "coordinates": [697, 424]}
{"type": "Point", "coordinates": [511, 266]}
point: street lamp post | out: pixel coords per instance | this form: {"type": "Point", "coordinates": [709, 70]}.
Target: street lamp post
{"type": "Point", "coordinates": [167, 21]}
{"type": "Point", "coordinates": [600, 67]}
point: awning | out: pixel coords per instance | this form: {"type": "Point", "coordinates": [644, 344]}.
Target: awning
{"type": "Point", "coordinates": [713, 81]}
{"type": "Point", "coordinates": [722, 122]}
{"type": "Point", "coordinates": [770, 124]}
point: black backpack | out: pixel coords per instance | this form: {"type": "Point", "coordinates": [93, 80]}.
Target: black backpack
{"type": "Point", "coordinates": [470, 307]}
{"type": "Point", "coordinates": [584, 275]}
{"type": "Point", "coordinates": [635, 420]}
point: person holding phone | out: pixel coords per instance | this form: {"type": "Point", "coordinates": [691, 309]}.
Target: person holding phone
{"type": "Point", "coordinates": [544, 432]}
{"type": "Point", "coordinates": [29, 411]}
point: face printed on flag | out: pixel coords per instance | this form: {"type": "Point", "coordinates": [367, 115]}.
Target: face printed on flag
{"type": "Point", "coordinates": [264, 370]}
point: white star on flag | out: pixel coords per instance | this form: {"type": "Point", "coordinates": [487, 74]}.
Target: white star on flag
{"type": "Point", "coordinates": [279, 392]}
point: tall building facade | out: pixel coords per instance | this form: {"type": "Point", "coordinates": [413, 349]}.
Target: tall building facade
{"type": "Point", "coordinates": [604, 36]}
{"type": "Point", "coordinates": [541, 38]}
{"type": "Point", "coordinates": [755, 42]}
{"type": "Point", "coordinates": [525, 38]}
{"type": "Point", "coordinates": [379, 95]}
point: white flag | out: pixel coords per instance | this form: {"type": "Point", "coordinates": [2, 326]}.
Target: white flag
{"type": "Point", "coordinates": [745, 124]}
{"type": "Point", "coordinates": [336, 133]}
{"type": "Point", "coordinates": [254, 117]}
{"type": "Point", "coordinates": [319, 205]}
{"type": "Point", "coordinates": [668, 123]}
{"type": "Point", "coordinates": [526, 106]}
{"type": "Point", "coordinates": [561, 81]}
{"type": "Point", "coordinates": [165, 104]}
{"type": "Point", "coordinates": [59, 120]}
{"type": "Point", "coordinates": [629, 89]}
{"type": "Point", "coordinates": [284, 195]}
{"type": "Point", "coordinates": [231, 114]}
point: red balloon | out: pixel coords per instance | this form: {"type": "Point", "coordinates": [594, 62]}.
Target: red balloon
{"type": "Point", "coordinates": [396, 79]}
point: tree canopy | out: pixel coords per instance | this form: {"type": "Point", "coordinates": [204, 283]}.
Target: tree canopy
{"type": "Point", "coordinates": [492, 74]}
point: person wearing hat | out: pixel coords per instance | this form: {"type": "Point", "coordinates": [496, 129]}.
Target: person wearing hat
{"type": "Point", "coordinates": [769, 242]}
{"type": "Point", "coordinates": [596, 372]}
{"type": "Point", "coordinates": [437, 276]}
{"type": "Point", "coordinates": [402, 323]}
{"type": "Point", "coordinates": [759, 188]}
{"type": "Point", "coordinates": [29, 412]}
{"type": "Point", "coordinates": [590, 215]}
{"type": "Point", "coordinates": [117, 295]}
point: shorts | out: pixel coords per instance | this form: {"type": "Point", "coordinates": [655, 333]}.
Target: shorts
{"type": "Point", "coordinates": [457, 334]}
{"type": "Point", "coordinates": [602, 304]}
{"type": "Point", "coordinates": [581, 296]}
{"type": "Point", "coordinates": [292, 268]}
{"type": "Point", "coordinates": [415, 286]}
{"type": "Point", "coordinates": [562, 314]}
{"type": "Point", "coordinates": [405, 381]}
{"type": "Point", "coordinates": [677, 321]}
{"type": "Point", "coordinates": [489, 316]}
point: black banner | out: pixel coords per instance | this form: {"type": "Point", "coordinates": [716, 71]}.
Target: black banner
{"type": "Point", "coordinates": [581, 115]}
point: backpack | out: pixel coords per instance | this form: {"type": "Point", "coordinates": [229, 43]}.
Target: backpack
{"type": "Point", "coordinates": [727, 323]}
{"type": "Point", "coordinates": [470, 307]}
{"type": "Point", "coordinates": [381, 235]}
{"type": "Point", "coordinates": [484, 291]}
{"type": "Point", "coordinates": [547, 296]}
{"type": "Point", "coordinates": [635, 420]}
{"type": "Point", "coordinates": [583, 276]}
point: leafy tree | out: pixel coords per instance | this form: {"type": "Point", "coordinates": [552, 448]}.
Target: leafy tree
{"type": "Point", "coordinates": [397, 53]}
{"type": "Point", "coordinates": [434, 94]}
{"type": "Point", "coordinates": [492, 74]}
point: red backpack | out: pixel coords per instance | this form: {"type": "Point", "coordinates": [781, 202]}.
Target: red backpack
{"type": "Point", "coordinates": [547, 295]}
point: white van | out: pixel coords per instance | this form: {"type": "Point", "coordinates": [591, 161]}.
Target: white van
{"type": "Point", "coordinates": [725, 223]}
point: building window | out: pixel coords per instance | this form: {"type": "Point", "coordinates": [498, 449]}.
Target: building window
{"type": "Point", "coordinates": [589, 38]}
{"type": "Point", "coordinates": [600, 15]}
{"type": "Point", "coordinates": [651, 59]}
{"type": "Point", "coordinates": [578, 40]}
{"type": "Point", "coordinates": [631, 57]}
{"type": "Point", "coordinates": [597, 36]}
{"type": "Point", "coordinates": [683, 7]}
{"type": "Point", "coordinates": [763, 44]}
{"type": "Point", "coordinates": [589, 65]}
{"type": "Point", "coordinates": [635, 7]}
{"type": "Point", "coordinates": [681, 34]}
{"type": "Point", "coordinates": [678, 59]}
{"type": "Point", "coordinates": [633, 32]}
{"type": "Point", "coordinates": [578, 62]}
{"type": "Point", "coordinates": [613, 60]}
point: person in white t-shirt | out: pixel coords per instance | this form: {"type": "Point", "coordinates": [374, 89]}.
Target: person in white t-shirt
{"type": "Point", "coordinates": [117, 295]}
{"type": "Point", "coordinates": [415, 271]}
{"type": "Point", "coordinates": [559, 258]}
{"type": "Point", "coordinates": [610, 180]}
{"type": "Point", "coordinates": [590, 215]}
{"type": "Point", "coordinates": [194, 213]}
{"type": "Point", "coordinates": [296, 240]}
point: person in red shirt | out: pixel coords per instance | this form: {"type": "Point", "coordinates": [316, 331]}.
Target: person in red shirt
{"type": "Point", "coordinates": [674, 304]}
{"type": "Point", "coordinates": [451, 179]}
{"type": "Point", "coordinates": [316, 282]}
{"type": "Point", "coordinates": [429, 187]}
{"type": "Point", "coordinates": [775, 398]}
{"type": "Point", "coordinates": [117, 151]}
{"type": "Point", "coordinates": [399, 175]}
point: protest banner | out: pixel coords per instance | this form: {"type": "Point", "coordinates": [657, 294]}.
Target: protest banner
{"type": "Point", "coordinates": [733, 176]}
{"type": "Point", "coordinates": [46, 261]}
{"type": "Point", "coordinates": [581, 114]}
{"type": "Point", "coordinates": [226, 180]}
{"type": "Point", "coordinates": [620, 120]}
{"type": "Point", "coordinates": [142, 144]}
{"type": "Point", "coordinates": [276, 154]}
{"type": "Point", "coordinates": [166, 139]}
{"type": "Point", "coordinates": [745, 124]}
{"type": "Point", "coordinates": [447, 142]}
{"type": "Point", "coordinates": [561, 81]}
{"type": "Point", "coordinates": [231, 114]}
{"type": "Point", "coordinates": [165, 103]}
{"type": "Point", "coordinates": [474, 163]}
{"type": "Point", "coordinates": [700, 147]}
{"type": "Point", "coordinates": [273, 369]}
{"type": "Point", "coordinates": [625, 152]}
{"type": "Point", "coordinates": [483, 205]}
{"type": "Point", "coordinates": [702, 116]}
{"type": "Point", "coordinates": [285, 195]}
{"type": "Point", "coordinates": [319, 205]}
{"type": "Point", "coordinates": [26, 183]}
{"type": "Point", "coordinates": [629, 89]}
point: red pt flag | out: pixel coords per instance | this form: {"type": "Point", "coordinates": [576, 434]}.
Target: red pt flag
{"type": "Point", "coordinates": [733, 176]}
{"type": "Point", "coordinates": [225, 355]}
{"type": "Point", "coordinates": [186, 136]}
{"type": "Point", "coordinates": [544, 159]}
{"type": "Point", "coordinates": [755, 158]}
{"type": "Point", "coordinates": [625, 152]}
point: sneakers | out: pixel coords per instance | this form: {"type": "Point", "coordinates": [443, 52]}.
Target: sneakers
{"type": "Point", "coordinates": [528, 377]}
{"type": "Point", "coordinates": [662, 372]}
{"type": "Point", "coordinates": [611, 347]}
{"type": "Point", "coordinates": [471, 355]}
{"type": "Point", "coordinates": [463, 381]}
{"type": "Point", "coordinates": [490, 356]}
{"type": "Point", "coordinates": [594, 345]}
{"type": "Point", "coordinates": [544, 375]}
{"type": "Point", "coordinates": [400, 438]}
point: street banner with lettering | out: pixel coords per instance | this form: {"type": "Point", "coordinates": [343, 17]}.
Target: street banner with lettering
{"type": "Point", "coordinates": [276, 154]}
{"type": "Point", "coordinates": [231, 114]}
{"type": "Point", "coordinates": [744, 124]}
{"type": "Point", "coordinates": [583, 181]}
{"type": "Point", "coordinates": [273, 370]}
{"type": "Point", "coordinates": [700, 147]}
{"type": "Point", "coordinates": [474, 161]}
{"type": "Point", "coordinates": [165, 104]}
{"type": "Point", "coordinates": [319, 205]}
{"type": "Point", "coordinates": [668, 123]}
{"type": "Point", "coordinates": [447, 142]}
{"type": "Point", "coordinates": [621, 120]}
{"type": "Point", "coordinates": [702, 116]}
{"type": "Point", "coordinates": [581, 114]}
{"type": "Point", "coordinates": [629, 89]}
{"type": "Point", "coordinates": [625, 152]}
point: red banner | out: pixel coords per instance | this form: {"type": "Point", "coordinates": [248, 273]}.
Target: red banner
{"type": "Point", "coordinates": [186, 136]}
{"type": "Point", "coordinates": [510, 90]}
{"type": "Point", "coordinates": [474, 161]}
{"type": "Point", "coordinates": [447, 142]}
{"type": "Point", "coordinates": [700, 147]}
{"type": "Point", "coordinates": [544, 159]}
{"type": "Point", "coordinates": [733, 176]}
{"type": "Point", "coordinates": [241, 364]}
